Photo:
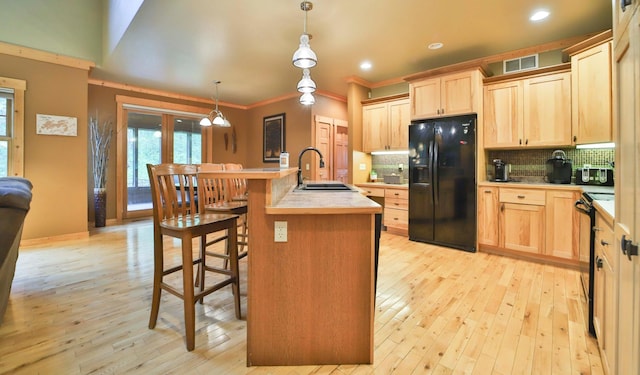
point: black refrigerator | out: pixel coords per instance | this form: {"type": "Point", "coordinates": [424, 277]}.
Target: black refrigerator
{"type": "Point", "coordinates": [442, 181]}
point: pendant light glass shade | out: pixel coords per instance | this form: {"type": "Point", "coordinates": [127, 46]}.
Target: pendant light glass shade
{"type": "Point", "coordinates": [307, 99]}
{"type": "Point", "coordinates": [304, 57]}
{"type": "Point", "coordinates": [306, 84]}
{"type": "Point", "coordinates": [215, 117]}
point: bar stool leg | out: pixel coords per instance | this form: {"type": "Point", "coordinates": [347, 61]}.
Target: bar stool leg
{"type": "Point", "coordinates": [188, 293]}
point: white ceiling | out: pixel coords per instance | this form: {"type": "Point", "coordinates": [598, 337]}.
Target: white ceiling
{"type": "Point", "coordinates": [183, 46]}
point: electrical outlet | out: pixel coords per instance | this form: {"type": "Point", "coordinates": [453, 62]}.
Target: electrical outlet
{"type": "Point", "coordinates": [363, 167]}
{"type": "Point", "coordinates": [307, 166]}
{"type": "Point", "coordinates": [400, 167]}
{"type": "Point", "coordinates": [280, 232]}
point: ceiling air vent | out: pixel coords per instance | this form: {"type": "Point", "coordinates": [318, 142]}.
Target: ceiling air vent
{"type": "Point", "coordinates": [521, 63]}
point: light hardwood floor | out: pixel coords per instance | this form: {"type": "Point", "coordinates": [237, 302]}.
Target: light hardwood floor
{"type": "Point", "coordinates": [82, 307]}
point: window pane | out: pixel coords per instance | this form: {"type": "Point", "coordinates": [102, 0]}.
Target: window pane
{"type": "Point", "coordinates": [5, 104]}
{"type": "Point", "coordinates": [143, 147]}
{"type": "Point", "coordinates": [4, 156]}
{"type": "Point", "coordinates": [187, 141]}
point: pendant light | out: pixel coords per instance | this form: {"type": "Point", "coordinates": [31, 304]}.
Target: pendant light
{"type": "Point", "coordinates": [307, 99]}
{"type": "Point", "coordinates": [215, 117]}
{"type": "Point", "coordinates": [304, 57]}
{"type": "Point", "coordinates": [306, 84]}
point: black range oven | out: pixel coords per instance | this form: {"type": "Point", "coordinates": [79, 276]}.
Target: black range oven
{"type": "Point", "coordinates": [586, 246]}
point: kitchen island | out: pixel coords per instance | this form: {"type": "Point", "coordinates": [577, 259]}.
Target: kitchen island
{"type": "Point", "coordinates": [310, 300]}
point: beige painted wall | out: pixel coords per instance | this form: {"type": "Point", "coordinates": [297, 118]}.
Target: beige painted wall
{"type": "Point", "coordinates": [56, 165]}
{"type": "Point", "coordinates": [102, 100]}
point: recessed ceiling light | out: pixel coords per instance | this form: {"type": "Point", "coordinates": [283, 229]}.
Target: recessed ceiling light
{"type": "Point", "coordinates": [539, 15]}
{"type": "Point", "coordinates": [436, 45]}
{"type": "Point", "coordinates": [365, 65]}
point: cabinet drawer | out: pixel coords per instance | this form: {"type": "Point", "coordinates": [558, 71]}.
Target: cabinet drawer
{"type": "Point", "coordinates": [397, 203]}
{"type": "Point", "coordinates": [372, 192]}
{"type": "Point", "coordinates": [522, 196]}
{"type": "Point", "coordinates": [396, 193]}
{"type": "Point", "coordinates": [394, 217]}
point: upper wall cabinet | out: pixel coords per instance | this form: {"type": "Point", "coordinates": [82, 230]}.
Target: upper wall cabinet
{"type": "Point", "coordinates": [444, 94]}
{"type": "Point", "coordinates": [622, 12]}
{"type": "Point", "coordinates": [528, 111]}
{"type": "Point", "coordinates": [591, 92]}
{"type": "Point", "coordinates": [385, 125]}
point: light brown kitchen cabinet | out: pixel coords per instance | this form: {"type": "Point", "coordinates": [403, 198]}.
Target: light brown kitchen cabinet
{"type": "Point", "coordinates": [627, 187]}
{"type": "Point", "coordinates": [522, 227]}
{"type": "Point", "coordinates": [528, 111]}
{"type": "Point", "coordinates": [445, 95]}
{"type": "Point", "coordinates": [503, 125]}
{"type": "Point", "coordinates": [385, 125]}
{"type": "Point", "coordinates": [528, 221]}
{"type": "Point", "coordinates": [562, 224]}
{"type": "Point", "coordinates": [396, 211]}
{"type": "Point", "coordinates": [604, 296]}
{"type": "Point", "coordinates": [591, 97]}
{"type": "Point", "coordinates": [547, 114]}
{"type": "Point", "coordinates": [622, 15]}
{"type": "Point", "coordinates": [488, 215]}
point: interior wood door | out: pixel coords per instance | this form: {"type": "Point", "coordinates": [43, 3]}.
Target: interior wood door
{"type": "Point", "coordinates": [627, 188]}
{"type": "Point", "coordinates": [324, 143]}
{"type": "Point", "coordinates": [341, 151]}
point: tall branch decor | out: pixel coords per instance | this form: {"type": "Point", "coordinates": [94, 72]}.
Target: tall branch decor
{"type": "Point", "coordinates": [100, 137]}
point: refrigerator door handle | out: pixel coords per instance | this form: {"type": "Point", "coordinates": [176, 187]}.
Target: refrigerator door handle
{"type": "Point", "coordinates": [431, 172]}
{"type": "Point", "coordinates": [434, 166]}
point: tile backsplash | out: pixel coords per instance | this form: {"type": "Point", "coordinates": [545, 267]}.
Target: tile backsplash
{"type": "Point", "coordinates": [531, 164]}
{"type": "Point", "coordinates": [388, 164]}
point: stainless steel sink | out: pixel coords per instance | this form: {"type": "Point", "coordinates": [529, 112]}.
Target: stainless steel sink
{"type": "Point", "coordinates": [325, 186]}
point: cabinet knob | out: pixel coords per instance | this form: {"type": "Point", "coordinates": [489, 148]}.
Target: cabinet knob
{"type": "Point", "coordinates": [521, 196]}
{"type": "Point", "coordinates": [575, 139]}
{"type": "Point", "coordinates": [519, 141]}
{"type": "Point", "coordinates": [604, 243]}
{"type": "Point", "coordinates": [488, 191]}
{"type": "Point", "coordinates": [597, 229]}
{"type": "Point", "coordinates": [598, 262]}
{"type": "Point", "coordinates": [526, 142]}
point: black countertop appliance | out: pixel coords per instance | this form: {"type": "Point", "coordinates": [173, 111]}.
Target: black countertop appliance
{"type": "Point", "coordinates": [442, 183]}
{"type": "Point", "coordinates": [559, 168]}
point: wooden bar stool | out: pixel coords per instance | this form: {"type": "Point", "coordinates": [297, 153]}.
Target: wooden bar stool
{"type": "Point", "coordinates": [175, 214]}
{"type": "Point", "coordinates": [216, 197]}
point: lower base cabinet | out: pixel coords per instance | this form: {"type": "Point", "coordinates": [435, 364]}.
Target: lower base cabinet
{"type": "Point", "coordinates": [396, 207]}
{"type": "Point", "coordinates": [538, 223]}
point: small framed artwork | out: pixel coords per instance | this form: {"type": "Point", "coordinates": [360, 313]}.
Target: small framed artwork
{"type": "Point", "coordinates": [273, 138]}
{"type": "Point", "coordinates": [56, 125]}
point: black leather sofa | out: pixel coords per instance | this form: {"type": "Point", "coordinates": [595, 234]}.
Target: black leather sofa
{"type": "Point", "coordinates": [15, 200]}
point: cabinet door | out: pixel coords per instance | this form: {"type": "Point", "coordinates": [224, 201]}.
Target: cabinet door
{"type": "Point", "coordinates": [488, 216]}
{"type": "Point", "coordinates": [503, 114]}
{"type": "Point", "coordinates": [399, 124]}
{"type": "Point", "coordinates": [374, 127]}
{"type": "Point", "coordinates": [547, 110]}
{"type": "Point", "coordinates": [604, 310]}
{"type": "Point", "coordinates": [562, 222]}
{"type": "Point", "coordinates": [457, 94]}
{"type": "Point", "coordinates": [590, 102]}
{"type": "Point", "coordinates": [599, 276]}
{"type": "Point", "coordinates": [522, 227]}
{"type": "Point", "coordinates": [622, 16]}
{"type": "Point", "coordinates": [425, 98]}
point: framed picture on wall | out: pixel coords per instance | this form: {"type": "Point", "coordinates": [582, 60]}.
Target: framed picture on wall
{"type": "Point", "coordinates": [273, 138]}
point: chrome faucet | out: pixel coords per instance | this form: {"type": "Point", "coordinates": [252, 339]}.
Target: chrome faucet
{"type": "Point", "coordinates": [300, 162]}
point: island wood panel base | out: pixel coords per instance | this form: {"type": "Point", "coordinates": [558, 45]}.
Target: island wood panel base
{"type": "Point", "coordinates": [310, 300]}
